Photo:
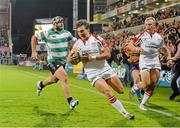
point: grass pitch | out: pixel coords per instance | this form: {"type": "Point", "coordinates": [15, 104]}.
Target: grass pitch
{"type": "Point", "coordinates": [21, 107]}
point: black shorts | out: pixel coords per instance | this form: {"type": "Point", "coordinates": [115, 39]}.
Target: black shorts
{"type": "Point", "coordinates": [134, 66]}
{"type": "Point", "coordinates": [55, 65]}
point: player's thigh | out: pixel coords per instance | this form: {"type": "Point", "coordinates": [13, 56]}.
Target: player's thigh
{"type": "Point", "coordinates": [52, 79]}
{"type": "Point", "coordinates": [103, 87]}
{"type": "Point", "coordinates": [60, 73]}
{"type": "Point", "coordinates": [116, 84]}
{"type": "Point", "coordinates": [145, 77]}
{"type": "Point", "coordinates": [135, 74]}
{"type": "Point", "coordinates": [154, 75]}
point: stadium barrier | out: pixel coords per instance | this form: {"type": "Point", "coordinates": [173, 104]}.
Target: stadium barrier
{"type": "Point", "coordinates": [165, 78]}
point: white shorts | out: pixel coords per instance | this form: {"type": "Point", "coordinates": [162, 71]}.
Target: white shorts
{"type": "Point", "coordinates": [104, 73]}
{"type": "Point", "coordinates": [147, 67]}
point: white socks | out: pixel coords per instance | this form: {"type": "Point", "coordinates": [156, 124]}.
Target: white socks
{"type": "Point", "coordinates": [145, 99]}
{"type": "Point", "coordinates": [117, 104]}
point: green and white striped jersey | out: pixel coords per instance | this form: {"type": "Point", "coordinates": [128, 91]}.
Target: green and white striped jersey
{"type": "Point", "coordinates": [57, 43]}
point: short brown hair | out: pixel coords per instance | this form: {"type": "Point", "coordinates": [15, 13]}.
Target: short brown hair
{"type": "Point", "coordinates": [82, 22]}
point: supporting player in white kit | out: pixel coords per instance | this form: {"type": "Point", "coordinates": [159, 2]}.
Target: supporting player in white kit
{"type": "Point", "coordinates": [150, 44]}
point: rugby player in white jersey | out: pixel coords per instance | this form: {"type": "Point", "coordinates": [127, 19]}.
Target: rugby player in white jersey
{"type": "Point", "coordinates": [150, 44]}
{"type": "Point", "coordinates": [58, 41]}
{"type": "Point", "coordinates": [94, 54]}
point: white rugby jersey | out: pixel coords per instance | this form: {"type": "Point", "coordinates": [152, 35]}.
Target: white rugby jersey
{"type": "Point", "coordinates": [151, 46]}
{"type": "Point", "coordinates": [93, 45]}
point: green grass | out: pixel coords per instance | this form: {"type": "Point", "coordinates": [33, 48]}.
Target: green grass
{"type": "Point", "coordinates": [21, 107]}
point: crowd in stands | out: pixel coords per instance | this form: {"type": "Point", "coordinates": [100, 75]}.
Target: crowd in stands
{"type": "Point", "coordinates": [4, 36]}
{"type": "Point", "coordinates": [136, 19]}
{"type": "Point", "coordinates": [118, 4]}
{"type": "Point", "coordinates": [5, 53]}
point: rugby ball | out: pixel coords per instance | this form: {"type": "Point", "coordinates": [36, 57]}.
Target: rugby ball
{"type": "Point", "coordinates": [76, 58]}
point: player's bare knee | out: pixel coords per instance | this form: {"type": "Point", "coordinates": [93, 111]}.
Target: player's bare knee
{"type": "Point", "coordinates": [53, 79]}
{"type": "Point", "coordinates": [120, 90]}
{"type": "Point", "coordinates": [107, 92]}
{"type": "Point", "coordinates": [112, 99]}
{"type": "Point", "coordinates": [65, 81]}
{"type": "Point", "coordinates": [145, 84]}
{"type": "Point", "coordinates": [153, 83]}
{"type": "Point", "coordinates": [149, 92]}
{"type": "Point", "coordinates": [64, 75]}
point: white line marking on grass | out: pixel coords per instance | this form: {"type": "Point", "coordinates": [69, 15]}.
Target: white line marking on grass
{"type": "Point", "coordinates": [95, 92]}
{"type": "Point", "coordinates": [164, 113]}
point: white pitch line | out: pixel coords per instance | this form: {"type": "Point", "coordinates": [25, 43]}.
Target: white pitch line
{"type": "Point", "coordinates": [95, 92]}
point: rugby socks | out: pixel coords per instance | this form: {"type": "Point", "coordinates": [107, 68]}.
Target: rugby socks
{"type": "Point", "coordinates": [41, 84]}
{"type": "Point", "coordinates": [145, 98]}
{"type": "Point", "coordinates": [69, 99]}
{"type": "Point", "coordinates": [117, 105]}
{"type": "Point", "coordinates": [138, 94]}
{"type": "Point", "coordinates": [134, 88]}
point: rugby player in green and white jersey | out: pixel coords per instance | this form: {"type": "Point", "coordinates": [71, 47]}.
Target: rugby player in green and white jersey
{"type": "Point", "coordinates": [58, 41]}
